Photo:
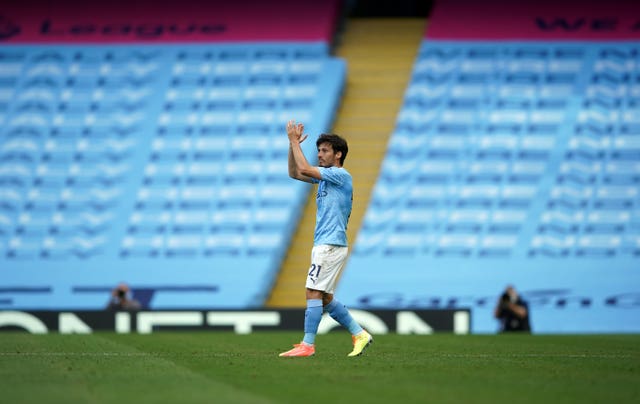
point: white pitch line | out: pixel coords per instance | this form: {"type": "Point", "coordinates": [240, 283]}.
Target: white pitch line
{"type": "Point", "coordinates": [226, 355]}
{"type": "Point", "coordinates": [74, 354]}
{"type": "Point", "coordinates": [524, 355]}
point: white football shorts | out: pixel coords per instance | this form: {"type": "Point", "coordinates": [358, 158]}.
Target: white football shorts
{"type": "Point", "coordinates": [327, 262]}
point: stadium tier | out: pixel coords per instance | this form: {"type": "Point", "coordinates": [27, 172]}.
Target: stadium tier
{"type": "Point", "coordinates": [157, 165]}
{"type": "Point", "coordinates": [511, 162]}
{"type": "Point", "coordinates": [516, 150]}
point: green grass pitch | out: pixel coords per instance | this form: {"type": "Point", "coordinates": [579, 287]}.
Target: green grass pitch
{"type": "Point", "coordinates": [221, 367]}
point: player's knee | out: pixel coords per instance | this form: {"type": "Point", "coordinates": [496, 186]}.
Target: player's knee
{"type": "Point", "coordinates": [314, 294]}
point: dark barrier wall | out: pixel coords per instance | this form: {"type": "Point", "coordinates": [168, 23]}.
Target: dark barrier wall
{"type": "Point", "coordinates": [241, 322]}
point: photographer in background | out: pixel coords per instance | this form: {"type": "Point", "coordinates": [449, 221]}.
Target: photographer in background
{"type": "Point", "coordinates": [513, 312]}
{"type": "Point", "coordinates": [121, 300]}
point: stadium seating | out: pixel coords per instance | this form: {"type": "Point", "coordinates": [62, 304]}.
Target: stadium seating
{"type": "Point", "coordinates": [505, 155]}
{"type": "Point", "coordinates": [499, 140]}
{"type": "Point", "coordinates": [145, 163]}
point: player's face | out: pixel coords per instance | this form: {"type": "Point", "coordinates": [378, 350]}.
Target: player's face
{"type": "Point", "coordinates": [326, 156]}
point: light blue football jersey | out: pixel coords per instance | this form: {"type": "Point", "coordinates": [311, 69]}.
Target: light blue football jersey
{"type": "Point", "coordinates": [333, 200]}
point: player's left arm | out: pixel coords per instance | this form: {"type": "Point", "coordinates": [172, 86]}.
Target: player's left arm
{"type": "Point", "coordinates": [301, 166]}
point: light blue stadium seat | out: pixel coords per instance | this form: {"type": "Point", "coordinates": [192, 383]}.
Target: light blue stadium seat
{"type": "Point", "coordinates": [242, 172]}
{"type": "Point", "coordinates": [369, 242]}
{"type": "Point", "coordinates": [487, 172]}
{"type": "Point", "coordinates": [396, 171]}
{"type": "Point", "coordinates": [51, 174]}
{"type": "Point", "coordinates": [24, 248]}
{"type": "Point", "coordinates": [197, 196]}
{"type": "Point", "coordinates": [377, 218]}
{"type": "Point", "coordinates": [553, 246]}
{"type": "Point", "coordinates": [417, 220]}
{"type": "Point", "coordinates": [403, 244]}
{"type": "Point", "coordinates": [231, 219]}
{"type": "Point", "coordinates": [477, 195]}
{"type": "Point", "coordinates": [210, 148]}
{"type": "Point", "coordinates": [497, 146]}
{"type": "Point", "coordinates": [507, 221]}
{"type": "Point", "coordinates": [626, 147]}
{"type": "Point", "coordinates": [526, 172]}
{"type": "Point", "coordinates": [34, 224]}
{"type": "Point", "coordinates": [18, 145]}
{"type": "Point", "coordinates": [11, 199]}
{"type": "Point", "coordinates": [43, 198]}
{"type": "Point", "coordinates": [58, 247]}
{"type": "Point", "coordinates": [6, 225]}
{"type": "Point", "coordinates": [203, 172]}
{"type": "Point", "coordinates": [87, 221]}
{"type": "Point", "coordinates": [142, 246]}
{"type": "Point", "coordinates": [155, 197]}
{"type": "Point", "coordinates": [437, 171]}
{"type": "Point", "coordinates": [570, 196]}
{"type": "Point", "coordinates": [622, 173]}
{"type": "Point", "coordinates": [249, 147]}
{"type": "Point", "coordinates": [404, 145]}
{"type": "Point", "coordinates": [280, 194]}
{"type": "Point", "coordinates": [232, 243]}
{"type": "Point", "coordinates": [73, 199]}
{"type": "Point", "coordinates": [167, 151]}
{"type": "Point", "coordinates": [601, 245]}
{"type": "Point", "coordinates": [459, 245]}
{"type": "Point", "coordinates": [426, 195]}
{"type": "Point", "coordinates": [149, 220]}
{"type": "Point", "coordinates": [520, 196]}
{"type": "Point", "coordinates": [387, 195]}
{"type": "Point", "coordinates": [493, 246]}
{"type": "Point", "coordinates": [183, 244]}
{"type": "Point", "coordinates": [271, 219]}
{"type": "Point", "coordinates": [607, 221]}
{"type": "Point", "coordinates": [190, 221]}
{"type": "Point", "coordinates": [274, 172]}
{"type": "Point", "coordinates": [622, 197]}
{"type": "Point", "coordinates": [630, 244]}
{"type": "Point", "coordinates": [467, 221]}
{"type": "Point", "coordinates": [449, 146]}
{"type": "Point", "coordinates": [233, 195]}
{"type": "Point", "coordinates": [265, 243]}
{"type": "Point", "coordinates": [84, 174]}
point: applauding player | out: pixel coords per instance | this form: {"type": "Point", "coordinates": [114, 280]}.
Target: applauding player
{"type": "Point", "coordinates": [329, 254]}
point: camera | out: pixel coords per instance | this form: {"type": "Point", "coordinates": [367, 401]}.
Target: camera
{"type": "Point", "coordinates": [121, 293]}
{"type": "Point", "coordinates": [505, 299]}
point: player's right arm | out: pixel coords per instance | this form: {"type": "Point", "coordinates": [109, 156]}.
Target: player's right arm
{"type": "Point", "coordinates": [293, 168]}
{"type": "Point", "coordinates": [294, 132]}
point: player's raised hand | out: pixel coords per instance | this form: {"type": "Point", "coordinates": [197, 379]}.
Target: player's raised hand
{"type": "Point", "coordinates": [295, 131]}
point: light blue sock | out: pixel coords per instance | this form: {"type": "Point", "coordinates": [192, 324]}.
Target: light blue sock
{"type": "Point", "coordinates": [312, 317]}
{"type": "Point", "coordinates": [339, 312]}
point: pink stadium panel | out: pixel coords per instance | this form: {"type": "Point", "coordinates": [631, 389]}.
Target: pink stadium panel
{"type": "Point", "coordinates": [148, 21]}
{"type": "Point", "coordinates": [541, 20]}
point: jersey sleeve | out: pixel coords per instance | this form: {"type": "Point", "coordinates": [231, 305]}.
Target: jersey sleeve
{"type": "Point", "coordinates": [331, 175]}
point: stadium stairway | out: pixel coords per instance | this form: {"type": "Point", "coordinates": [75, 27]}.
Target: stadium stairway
{"type": "Point", "coordinates": [380, 54]}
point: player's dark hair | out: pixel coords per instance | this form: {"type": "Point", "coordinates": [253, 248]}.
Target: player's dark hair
{"type": "Point", "coordinates": [337, 143]}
